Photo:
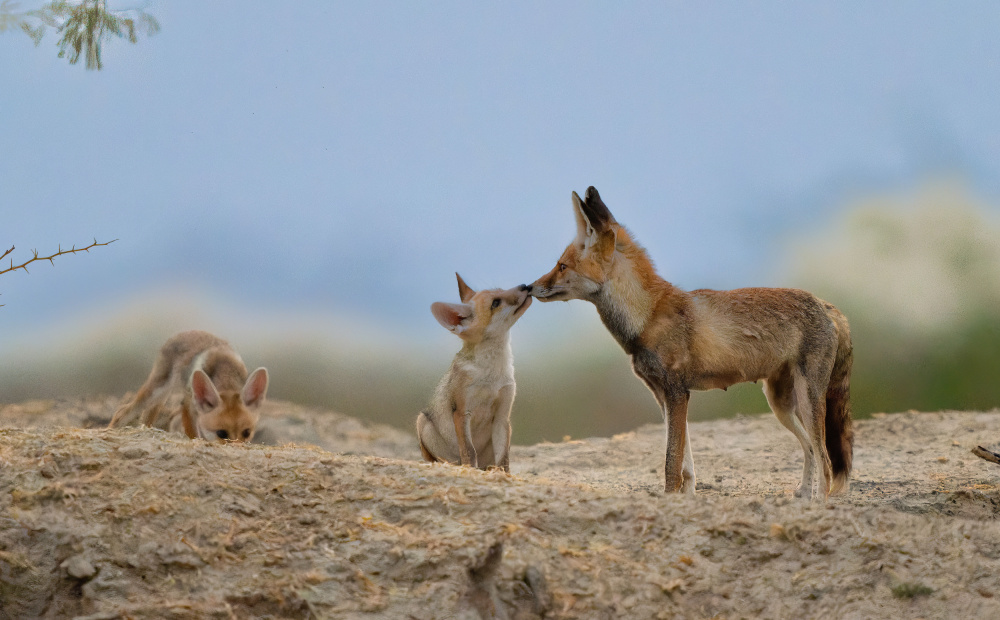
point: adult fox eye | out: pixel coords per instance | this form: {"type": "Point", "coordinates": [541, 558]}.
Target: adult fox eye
{"type": "Point", "coordinates": [246, 433]}
{"type": "Point", "coordinates": [222, 434]}
{"type": "Point", "coordinates": [496, 304]}
{"type": "Point", "coordinates": [562, 266]}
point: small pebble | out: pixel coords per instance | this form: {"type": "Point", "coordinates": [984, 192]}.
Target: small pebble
{"type": "Point", "coordinates": [79, 567]}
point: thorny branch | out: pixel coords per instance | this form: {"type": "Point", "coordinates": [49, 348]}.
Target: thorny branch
{"type": "Point", "coordinates": [36, 257]}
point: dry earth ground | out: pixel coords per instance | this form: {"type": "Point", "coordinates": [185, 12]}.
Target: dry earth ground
{"type": "Point", "coordinates": [141, 524]}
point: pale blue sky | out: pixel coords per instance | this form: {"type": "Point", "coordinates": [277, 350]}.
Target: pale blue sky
{"type": "Point", "coordinates": [350, 156]}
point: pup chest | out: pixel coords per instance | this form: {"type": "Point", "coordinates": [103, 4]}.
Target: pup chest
{"type": "Point", "coordinates": [490, 374]}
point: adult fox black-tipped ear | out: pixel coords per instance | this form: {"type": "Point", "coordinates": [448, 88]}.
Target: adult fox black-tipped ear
{"type": "Point", "coordinates": [582, 225]}
{"type": "Point", "coordinates": [595, 209]}
{"type": "Point", "coordinates": [465, 292]}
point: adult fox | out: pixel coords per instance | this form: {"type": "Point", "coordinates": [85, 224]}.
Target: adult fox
{"type": "Point", "coordinates": [799, 345]}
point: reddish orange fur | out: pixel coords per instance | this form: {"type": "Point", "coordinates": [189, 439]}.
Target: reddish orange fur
{"type": "Point", "coordinates": [680, 341]}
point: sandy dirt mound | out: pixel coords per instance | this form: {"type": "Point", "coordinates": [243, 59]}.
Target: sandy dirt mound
{"type": "Point", "coordinates": [281, 422]}
{"type": "Point", "coordinates": [141, 524]}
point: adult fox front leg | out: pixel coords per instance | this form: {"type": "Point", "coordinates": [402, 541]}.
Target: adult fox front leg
{"type": "Point", "coordinates": [797, 344]}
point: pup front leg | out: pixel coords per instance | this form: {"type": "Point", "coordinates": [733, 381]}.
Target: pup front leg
{"type": "Point", "coordinates": [462, 419]}
{"type": "Point", "coordinates": [470, 445]}
{"type": "Point", "coordinates": [501, 427]}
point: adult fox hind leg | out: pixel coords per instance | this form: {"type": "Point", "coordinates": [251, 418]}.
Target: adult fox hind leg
{"type": "Point", "coordinates": [780, 394]}
{"type": "Point", "coordinates": [814, 406]}
{"type": "Point", "coordinates": [812, 377]}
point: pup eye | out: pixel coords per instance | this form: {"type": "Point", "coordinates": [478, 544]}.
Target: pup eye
{"type": "Point", "coordinates": [246, 433]}
{"type": "Point", "coordinates": [222, 434]}
{"type": "Point", "coordinates": [496, 304]}
{"type": "Point", "coordinates": [562, 266]}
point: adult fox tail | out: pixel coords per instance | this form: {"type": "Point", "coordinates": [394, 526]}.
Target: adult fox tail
{"type": "Point", "coordinates": [839, 428]}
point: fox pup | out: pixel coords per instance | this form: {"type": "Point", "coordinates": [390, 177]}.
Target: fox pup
{"type": "Point", "coordinates": [218, 401]}
{"type": "Point", "coordinates": [468, 421]}
{"type": "Point", "coordinates": [798, 344]}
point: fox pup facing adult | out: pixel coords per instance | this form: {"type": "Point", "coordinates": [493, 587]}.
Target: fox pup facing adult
{"type": "Point", "coordinates": [796, 343]}
{"type": "Point", "coordinates": [468, 421]}
{"type": "Point", "coordinates": [218, 401]}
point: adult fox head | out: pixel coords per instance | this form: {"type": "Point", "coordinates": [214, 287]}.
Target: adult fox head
{"type": "Point", "coordinates": [227, 415]}
{"type": "Point", "coordinates": [587, 262]}
{"type": "Point", "coordinates": [484, 314]}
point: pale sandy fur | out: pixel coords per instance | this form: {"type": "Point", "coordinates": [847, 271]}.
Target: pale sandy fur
{"type": "Point", "coordinates": [468, 420]}
{"type": "Point", "coordinates": [166, 400]}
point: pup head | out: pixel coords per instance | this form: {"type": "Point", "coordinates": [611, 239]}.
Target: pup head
{"type": "Point", "coordinates": [483, 315]}
{"type": "Point", "coordinates": [228, 415]}
{"type": "Point", "coordinates": [585, 264]}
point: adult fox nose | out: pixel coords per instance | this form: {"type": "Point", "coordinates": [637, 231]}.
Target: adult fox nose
{"type": "Point", "coordinates": [525, 287]}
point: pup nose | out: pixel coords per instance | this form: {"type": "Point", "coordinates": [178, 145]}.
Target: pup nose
{"type": "Point", "coordinates": [525, 287]}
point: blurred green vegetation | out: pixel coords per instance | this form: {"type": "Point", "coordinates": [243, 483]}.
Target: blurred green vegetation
{"type": "Point", "coordinates": [918, 276]}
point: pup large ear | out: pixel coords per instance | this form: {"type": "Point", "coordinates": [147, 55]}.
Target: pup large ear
{"type": "Point", "coordinates": [255, 388]}
{"type": "Point", "coordinates": [451, 316]}
{"type": "Point", "coordinates": [465, 292]}
{"type": "Point", "coordinates": [206, 397]}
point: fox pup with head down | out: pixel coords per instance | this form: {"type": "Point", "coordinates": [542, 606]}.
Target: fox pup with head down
{"type": "Point", "coordinates": [468, 421]}
{"type": "Point", "coordinates": [218, 401]}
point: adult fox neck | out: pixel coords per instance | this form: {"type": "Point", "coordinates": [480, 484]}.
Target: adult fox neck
{"type": "Point", "coordinates": [626, 300]}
